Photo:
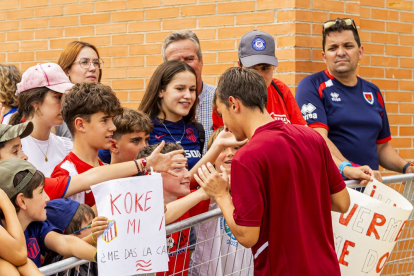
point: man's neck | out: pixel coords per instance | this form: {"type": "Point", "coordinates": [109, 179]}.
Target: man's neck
{"type": "Point", "coordinates": [199, 87]}
{"type": "Point", "coordinates": [85, 152]}
{"type": "Point", "coordinates": [348, 79]}
{"type": "Point", "coordinates": [253, 119]}
{"type": "Point", "coordinates": [115, 159]}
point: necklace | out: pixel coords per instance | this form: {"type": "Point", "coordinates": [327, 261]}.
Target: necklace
{"type": "Point", "coordinates": [182, 136]}
{"type": "Point", "coordinates": [47, 149]}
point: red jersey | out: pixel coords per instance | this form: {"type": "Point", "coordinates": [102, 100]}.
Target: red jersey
{"type": "Point", "coordinates": [56, 187]}
{"type": "Point", "coordinates": [178, 243]}
{"type": "Point", "coordinates": [282, 180]}
{"type": "Point", "coordinates": [72, 165]}
{"type": "Point", "coordinates": [286, 109]}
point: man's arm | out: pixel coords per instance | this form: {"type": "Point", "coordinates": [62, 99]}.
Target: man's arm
{"type": "Point", "coordinates": [217, 187]}
{"type": "Point", "coordinates": [363, 173]}
{"type": "Point", "coordinates": [340, 201]}
{"type": "Point", "coordinates": [390, 159]}
{"type": "Point", "coordinates": [69, 246]}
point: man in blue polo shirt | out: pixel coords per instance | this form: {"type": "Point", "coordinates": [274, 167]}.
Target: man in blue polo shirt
{"type": "Point", "coordinates": [348, 111]}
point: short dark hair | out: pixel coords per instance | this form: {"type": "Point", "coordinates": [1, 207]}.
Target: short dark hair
{"type": "Point", "coordinates": [246, 85]}
{"type": "Point", "coordinates": [131, 120]}
{"type": "Point", "coordinates": [37, 180]}
{"type": "Point", "coordinates": [85, 99]}
{"type": "Point", "coordinates": [163, 75]}
{"type": "Point", "coordinates": [168, 147]}
{"type": "Point", "coordinates": [338, 27]}
{"type": "Point", "coordinates": [80, 216]}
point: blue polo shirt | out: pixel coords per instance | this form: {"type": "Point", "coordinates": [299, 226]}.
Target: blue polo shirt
{"type": "Point", "coordinates": [176, 131]}
{"type": "Point", "coordinates": [355, 117]}
{"type": "Point", "coordinates": [35, 235]}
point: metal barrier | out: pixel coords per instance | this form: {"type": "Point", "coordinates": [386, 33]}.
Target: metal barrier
{"type": "Point", "coordinates": [218, 253]}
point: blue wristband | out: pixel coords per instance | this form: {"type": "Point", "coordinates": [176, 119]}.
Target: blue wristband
{"type": "Point", "coordinates": [342, 166]}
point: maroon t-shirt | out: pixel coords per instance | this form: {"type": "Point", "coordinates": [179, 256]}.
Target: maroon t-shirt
{"type": "Point", "coordinates": [282, 180]}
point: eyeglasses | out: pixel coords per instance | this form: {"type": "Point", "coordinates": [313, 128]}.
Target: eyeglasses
{"type": "Point", "coordinates": [84, 228]}
{"type": "Point", "coordinates": [86, 63]}
{"type": "Point", "coordinates": [348, 21]}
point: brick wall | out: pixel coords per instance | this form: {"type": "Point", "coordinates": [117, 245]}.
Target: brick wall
{"type": "Point", "coordinates": [129, 35]}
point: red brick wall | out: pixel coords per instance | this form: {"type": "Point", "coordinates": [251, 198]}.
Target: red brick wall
{"type": "Point", "coordinates": [129, 35]}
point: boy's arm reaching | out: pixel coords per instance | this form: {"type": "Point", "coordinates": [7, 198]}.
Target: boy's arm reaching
{"type": "Point", "coordinates": [13, 247]}
{"type": "Point", "coordinates": [177, 208]}
{"type": "Point", "coordinates": [69, 246]}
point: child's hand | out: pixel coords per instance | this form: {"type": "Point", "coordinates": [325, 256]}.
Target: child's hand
{"type": "Point", "coordinates": [203, 194]}
{"type": "Point", "coordinates": [164, 162]}
{"type": "Point", "coordinates": [4, 199]}
{"type": "Point", "coordinates": [226, 139]}
{"type": "Point", "coordinates": [99, 224]}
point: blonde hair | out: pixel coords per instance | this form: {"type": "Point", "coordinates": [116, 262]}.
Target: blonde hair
{"type": "Point", "coordinates": [214, 136]}
{"type": "Point", "coordinates": [9, 78]}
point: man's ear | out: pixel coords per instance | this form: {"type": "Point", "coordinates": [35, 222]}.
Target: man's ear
{"type": "Point", "coordinates": [114, 147]}
{"type": "Point", "coordinates": [361, 52]}
{"type": "Point", "coordinates": [80, 124]}
{"type": "Point", "coordinates": [234, 104]}
{"type": "Point", "coordinates": [239, 64]}
{"type": "Point", "coordinates": [323, 56]}
{"type": "Point", "coordinates": [21, 201]}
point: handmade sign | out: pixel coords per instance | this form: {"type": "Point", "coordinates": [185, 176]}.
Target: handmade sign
{"type": "Point", "coordinates": [134, 242]}
{"type": "Point", "coordinates": [365, 235]}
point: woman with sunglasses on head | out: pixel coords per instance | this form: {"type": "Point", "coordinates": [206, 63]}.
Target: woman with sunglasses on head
{"type": "Point", "coordinates": [81, 63]}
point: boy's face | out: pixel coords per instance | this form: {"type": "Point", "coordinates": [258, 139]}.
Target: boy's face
{"type": "Point", "coordinates": [85, 232]}
{"type": "Point", "coordinates": [35, 206]}
{"type": "Point", "coordinates": [99, 131]}
{"type": "Point", "coordinates": [12, 149]}
{"type": "Point", "coordinates": [175, 187]}
{"type": "Point", "coordinates": [225, 157]}
{"type": "Point", "coordinates": [130, 144]}
{"type": "Point", "coordinates": [266, 71]}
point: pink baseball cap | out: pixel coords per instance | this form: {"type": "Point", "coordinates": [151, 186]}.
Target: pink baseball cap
{"type": "Point", "coordinates": [49, 75]}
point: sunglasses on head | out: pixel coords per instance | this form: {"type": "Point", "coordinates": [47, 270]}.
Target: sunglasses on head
{"type": "Point", "coordinates": [348, 21]}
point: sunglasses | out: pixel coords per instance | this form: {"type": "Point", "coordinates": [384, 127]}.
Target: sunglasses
{"type": "Point", "coordinates": [86, 227]}
{"type": "Point", "coordinates": [348, 21]}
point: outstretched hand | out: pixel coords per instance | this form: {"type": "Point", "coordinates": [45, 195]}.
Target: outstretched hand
{"type": "Point", "coordinates": [364, 173]}
{"type": "Point", "coordinates": [214, 184]}
{"type": "Point", "coordinates": [226, 139]}
{"type": "Point", "coordinates": [164, 162]}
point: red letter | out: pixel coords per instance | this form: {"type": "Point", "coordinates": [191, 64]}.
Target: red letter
{"type": "Point", "coordinates": [113, 204]}
{"type": "Point", "coordinates": [137, 202]}
{"type": "Point", "coordinates": [373, 191]}
{"type": "Point", "coordinates": [132, 224]}
{"type": "Point", "coordinates": [380, 260]}
{"type": "Point", "coordinates": [345, 252]}
{"type": "Point", "coordinates": [348, 218]}
{"type": "Point", "coordinates": [399, 232]}
{"type": "Point", "coordinates": [125, 203]}
{"type": "Point", "coordinates": [162, 219]}
{"type": "Point", "coordinates": [146, 199]}
{"type": "Point", "coordinates": [371, 228]}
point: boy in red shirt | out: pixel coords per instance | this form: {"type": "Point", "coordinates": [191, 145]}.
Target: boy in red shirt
{"type": "Point", "coordinates": [284, 184]}
{"type": "Point", "coordinates": [257, 51]}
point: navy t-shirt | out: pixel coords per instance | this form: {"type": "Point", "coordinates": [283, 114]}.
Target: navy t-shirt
{"type": "Point", "coordinates": [355, 117]}
{"type": "Point", "coordinates": [188, 135]}
{"type": "Point", "coordinates": [35, 235]}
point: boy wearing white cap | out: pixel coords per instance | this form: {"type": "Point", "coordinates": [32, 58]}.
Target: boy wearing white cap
{"type": "Point", "coordinates": [257, 51]}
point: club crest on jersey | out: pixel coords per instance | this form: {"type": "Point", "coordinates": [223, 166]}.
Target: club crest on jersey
{"type": "Point", "coordinates": [32, 248]}
{"type": "Point", "coordinates": [307, 111]}
{"type": "Point", "coordinates": [335, 97]}
{"type": "Point", "coordinates": [259, 44]}
{"type": "Point", "coordinates": [369, 97]}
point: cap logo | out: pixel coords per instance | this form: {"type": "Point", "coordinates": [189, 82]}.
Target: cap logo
{"type": "Point", "coordinates": [259, 44]}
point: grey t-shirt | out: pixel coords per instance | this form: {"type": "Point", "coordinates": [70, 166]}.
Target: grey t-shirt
{"type": "Point", "coordinates": [63, 131]}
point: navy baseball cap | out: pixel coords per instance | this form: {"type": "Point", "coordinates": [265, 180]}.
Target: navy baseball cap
{"type": "Point", "coordinates": [61, 211]}
{"type": "Point", "coordinates": [257, 47]}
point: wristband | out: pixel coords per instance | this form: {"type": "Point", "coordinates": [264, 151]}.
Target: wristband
{"type": "Point", "coordinates": [406, 166]}
{"type": "Point", "coordinates": [95, 256]}
{"type": "Point", "coordinates": [144, 164]}
{"type": "Point", "coordinates": [136, 164]}
{"type": "Point", "coordinates": [93, 238]}
{"type": "Point", "coordinates": [342, 166]}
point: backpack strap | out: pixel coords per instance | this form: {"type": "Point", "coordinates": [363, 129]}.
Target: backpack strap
{"type": "Point", "coordinates": [201, 135]}
{"type": "Point", "coordinates": [279, 92]}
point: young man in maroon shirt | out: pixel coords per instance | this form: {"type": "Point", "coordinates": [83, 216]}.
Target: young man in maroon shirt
{"type": "Point", "coordinates": [284, 184]}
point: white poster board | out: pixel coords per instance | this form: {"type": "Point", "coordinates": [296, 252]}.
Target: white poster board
{"type": "Point", "coordinates": [134, 242]}
{"type": "Point", "coordinates": [365, 236]}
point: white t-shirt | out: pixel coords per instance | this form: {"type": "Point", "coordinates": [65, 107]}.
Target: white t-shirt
{"type": "Point", "coordinates": [56, 149]}
{"type": "Point", "coordinates": [220, 254]}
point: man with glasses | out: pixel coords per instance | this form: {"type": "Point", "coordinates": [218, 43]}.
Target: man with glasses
{"type": "Point", "coordinates": [348, 111]}
{"type": "Point", "coordinates": [257, 51]}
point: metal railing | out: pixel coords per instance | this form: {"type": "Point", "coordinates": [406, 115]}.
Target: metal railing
{"type": "Point", "coordinates": [401, 261]}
